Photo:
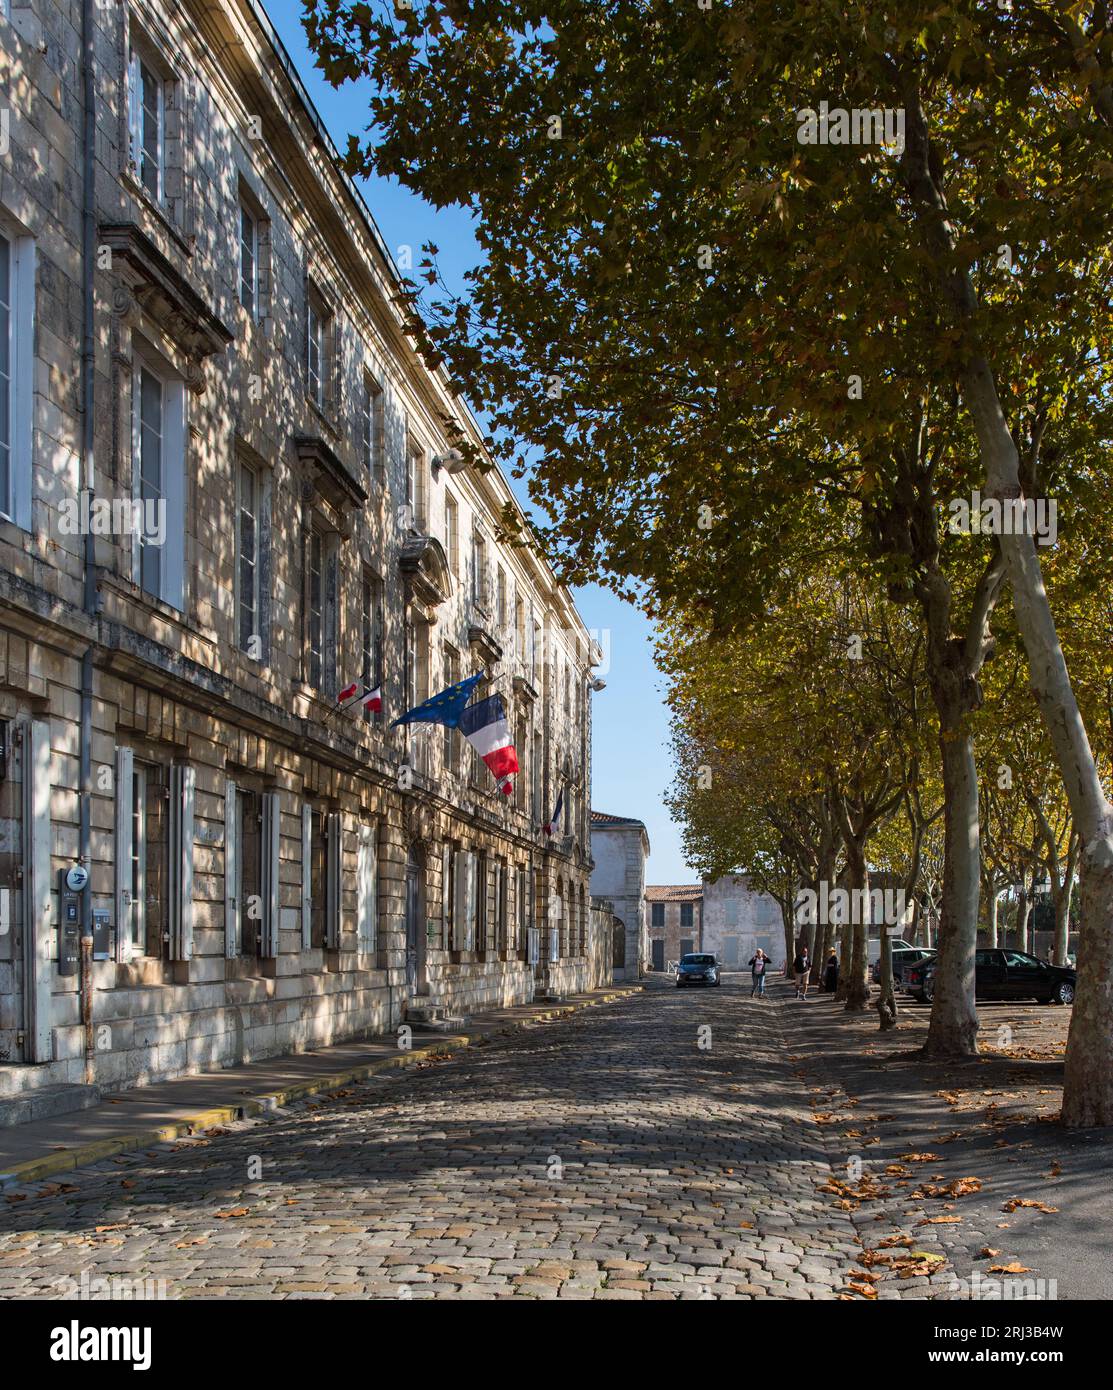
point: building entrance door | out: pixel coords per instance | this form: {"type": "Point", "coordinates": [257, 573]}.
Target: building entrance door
{"type": "Point", "coordinates": [658, 954]}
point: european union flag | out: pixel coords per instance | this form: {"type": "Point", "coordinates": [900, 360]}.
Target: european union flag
{"type": "Point", "coordinates": [444, 708]}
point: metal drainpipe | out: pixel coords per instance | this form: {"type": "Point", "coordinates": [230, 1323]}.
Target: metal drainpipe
{"type": "Point", "coordinates": [88, 431]}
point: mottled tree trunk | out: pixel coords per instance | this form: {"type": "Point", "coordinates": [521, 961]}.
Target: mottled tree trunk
{"type": "Point", "coordinates": [991, 916]}
{"type": "Point", "coordinates": [857, 984]}
{"type": "Point", "coordinates": [953, 1030]}
{"type": "Point", "coordinates": [887, 1001]}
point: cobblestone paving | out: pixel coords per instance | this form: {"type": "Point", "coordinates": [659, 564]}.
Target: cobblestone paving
{"type": "Point", "coordinates": [607, 1155]}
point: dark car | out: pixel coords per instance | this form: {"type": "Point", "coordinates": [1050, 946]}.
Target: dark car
{"type": "Point", "coordinates": [697, 969]}
{"type": "Point", "coordinates": [903, 957]}
{"type": "Point", "coordinates": [1002, 974]}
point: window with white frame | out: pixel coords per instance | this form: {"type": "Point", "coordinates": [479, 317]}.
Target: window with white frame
{"type": "Point", "coordinates": [318, 348]}
{"type": "Point", "coordinates": [415, 481]}
{"type": "Point", "coordinates": [147, 121]}
{"type": "Point", "coordinates": [479, 570]}
{"type": "Point", "coordinates": [154, 857]}
{"type": "Point", "coordinates": [321, 610]}
{"type": "Point", "coordinates": [371, 428]}
{"type": "Point", "coordinates": [249, 598]}
{"type": "Point", "coordinates": [500, 599]}
{"type": "Point", "coordinates": [371, 628]}
{"type": "Point", "coordinates": [158, 480]}
{"type": "Point", "coordinates": [452, 532]}
{"type": "Point", "coordinates": [249, 259]}
{"type": "Point", "coordinates": [451, 676]}
{"type": "Point", "coordinates": [17, 336]}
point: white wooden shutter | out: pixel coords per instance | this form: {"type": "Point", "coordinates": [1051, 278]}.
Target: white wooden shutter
{"type": "Point", "coordinates": [232, 943]}
{"type": "Point", "coordinates": [183, 781]}
{"type": "Point", "coordinates": [332, 896]}
{"type": "Point", "coordinates": [306, 876]}
{"type": "Point", "coordinates": [125, 848]}
{"type": "Point", "coordinates": [38, 939]}
{"type": "Point", "coordinates": [272, 905]}
{"type": "Point", "coordinates": [365, 873]}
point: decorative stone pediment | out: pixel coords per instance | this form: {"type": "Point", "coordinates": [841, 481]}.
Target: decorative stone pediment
{"type": "Point", "coordinates": [328, 473]}
{"type": "Point", "coordinates": [145, 274]}
{"type": "Point", "coordinates": [425, 567]}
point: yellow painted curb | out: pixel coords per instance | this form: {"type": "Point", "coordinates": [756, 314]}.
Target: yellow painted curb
{"type": "Point", "coordinates": [35, 1169]}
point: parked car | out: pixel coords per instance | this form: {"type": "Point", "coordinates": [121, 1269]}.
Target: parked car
{"type": "Point", "coordinates": [698, 968]}
{"type": "Point", "coordinates": [1002, 974]}
{"type": "Point", "coordinates": [903, 956]}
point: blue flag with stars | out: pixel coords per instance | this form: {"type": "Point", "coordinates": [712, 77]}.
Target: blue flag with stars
{"type": "Point", "coordinates": [444, 708]}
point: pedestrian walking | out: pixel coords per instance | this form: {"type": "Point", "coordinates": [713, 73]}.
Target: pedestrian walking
{"type": "Point", "coordinates": [802, 964]}
{"type": "Point", "coordinates": [831, 973]}
{"type": "Point", "coordinates": [759, 965]}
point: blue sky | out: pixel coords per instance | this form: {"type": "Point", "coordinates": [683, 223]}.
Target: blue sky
{"type": "Point", "coordinates": [631, 764]}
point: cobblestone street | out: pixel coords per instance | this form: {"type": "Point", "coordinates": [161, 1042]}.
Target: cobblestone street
{"type": "Point", "coordinates": [607, 1155]}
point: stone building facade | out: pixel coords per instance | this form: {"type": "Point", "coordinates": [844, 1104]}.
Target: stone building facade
{"type": "Point", "coordinates": [619, 848]}
{"type": "Point", "coordinates": [737, 920]}
{"type": "Point", "coordinates": [229, 488]}
{"type": "Point", "coordinates": [675, 921]}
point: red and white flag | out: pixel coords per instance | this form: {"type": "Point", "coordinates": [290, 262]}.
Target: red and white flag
{"type": "Point", "coordinates": [346, 693]}
{"type": "Point", "coordinates": [373, 699]}
{"type": "Point", "coordinates": [485, 727]}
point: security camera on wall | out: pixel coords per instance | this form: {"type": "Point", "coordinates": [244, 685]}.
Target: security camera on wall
{"type": "Point", "coordinates": [452, 462]}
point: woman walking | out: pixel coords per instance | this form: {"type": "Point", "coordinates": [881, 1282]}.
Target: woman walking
{"type": "Point", "coordinates": [831, 974]}
{"type": "Point", "coordinates": [759, 965]}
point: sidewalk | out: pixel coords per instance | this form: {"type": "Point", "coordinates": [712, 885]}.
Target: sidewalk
{"type": "Point", "coordinates": [169, 1110]}
{"type": "Point", "coordinates": [973, 1143]}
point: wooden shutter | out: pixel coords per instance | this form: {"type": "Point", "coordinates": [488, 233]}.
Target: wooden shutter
{"type": "Point", "coordinates": [183, 781]}
{"type": "Point", "coordinates": [332, 895]}
{"type": "Point", "coordinates": [365, 877]}
{"type": "Point", "coordinates": [231, 871]}
{"type": "Point", "coordinates": [125, 848]}
{"type": "Point", "coordinates": [306, 876]}
{"type": "Point", "coordinates": [272, 903]}
{"type": "Point", "coordinates": [39, 936]}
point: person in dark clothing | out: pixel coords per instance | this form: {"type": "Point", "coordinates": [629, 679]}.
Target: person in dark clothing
{"type": "Point", "coordinates": [801, 965]}
{"type": "Point", "coordinates": [759, 968]}
{"type": "Point", "coordinates": [831, 973]}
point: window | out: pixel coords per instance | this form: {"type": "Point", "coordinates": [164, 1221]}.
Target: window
{"type": "Point", "coordinates": [657, 914]}
{"type": "Point", "coordinates": [147, 123]}
{"type": "Point", "coordinates": [481, 877]}
{"type": "Point", "coordinates": [501, 889]}
{"type": "Point", "coordinates": [452, 532]}
{"type": "Point", "coordinates": [321, 611]}
{"type": "Point", "coordinates": [150, 859]}
{"type": "Point", "coordinates": [371, 626]}
{"type": "Point", "coordinates": [520, 629]}
{"type": "Point", "coordinates": [248, 830]}
{"type": "Point", "coordinates": [158, 482]}
{"type": "Point", "coordinates": [324, 855]}
{"type": "Point", "coordinates": [415, 482]}
{"type": "Point", "coordinates": [500, 599]}
{"type": "Point", "coordinates": [522, 894]}
{"type": "Point", "coordinates": [451, 676]}
{"type": "Point", "coordinates": [416, 684]}
{"type": "Point", "coordinates": [319, 329]}
{"type": "Point", "coordinates": [249, 260]}
{"type": "Point", "coordinates": [537, 641]}
{"type": "Point", "coordinates": [686, 914]}
{"type": "Point", "coordinates": [371, 428]}
{"type": "Point", "coordinates": [478, 570]}
{"type": "Point", "coordinates": [17, 336]}
{"type": "Point", "coordinates": [538, 776]}
{"type": "Point", "coordinates": [248, 624]}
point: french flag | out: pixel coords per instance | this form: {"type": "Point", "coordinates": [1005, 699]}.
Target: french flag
{"type": "Point", "coordinates": [485, 728]}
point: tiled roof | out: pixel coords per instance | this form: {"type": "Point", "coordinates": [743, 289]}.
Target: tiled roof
{"type": "Point", "coordinates": [601, 818]}
{"type": "Point", "coordinates": [673, 893]}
